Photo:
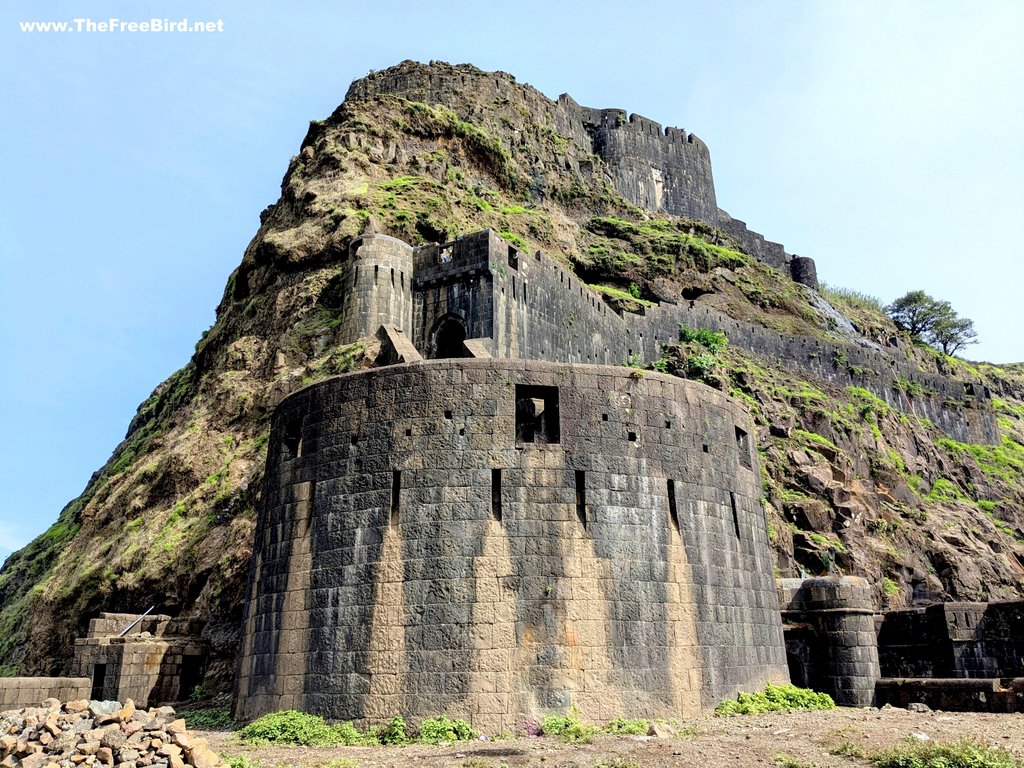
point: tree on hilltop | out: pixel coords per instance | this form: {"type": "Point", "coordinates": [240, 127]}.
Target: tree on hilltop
{"type": "Point", "coordinates": [932, 321]}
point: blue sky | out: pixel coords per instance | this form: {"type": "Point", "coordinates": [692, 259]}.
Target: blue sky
{"type": "Point", "coordinates": [882, 138]}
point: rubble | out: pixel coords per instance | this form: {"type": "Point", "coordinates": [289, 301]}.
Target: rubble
{"type": "Point", "coordinates": [80, 734]}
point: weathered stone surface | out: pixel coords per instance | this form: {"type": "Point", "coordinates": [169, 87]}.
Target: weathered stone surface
{"type": "Point", "coordinates": [602, 520]}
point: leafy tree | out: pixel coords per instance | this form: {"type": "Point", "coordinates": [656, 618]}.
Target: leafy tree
{"type": "Point", "coordinates": [916, 312]}
{"type": "Point", "coordinates": [932, 321]}
{"type": "Point", "coordinates": [953, 333]}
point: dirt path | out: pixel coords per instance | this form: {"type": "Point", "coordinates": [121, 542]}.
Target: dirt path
{"type": "Point", "coordinates": [808, 738]}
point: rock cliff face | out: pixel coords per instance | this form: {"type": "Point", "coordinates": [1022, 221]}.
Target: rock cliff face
{"type": "Point", "coordinates": [425, 153]}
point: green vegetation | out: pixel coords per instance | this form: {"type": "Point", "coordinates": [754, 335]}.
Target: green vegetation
{"type": "Point", "coordinates": [241, 761]}
{"type": "Point", "coordinates": [391, 733]}
{"type": "Point", "coordinates": [931, 321]}
{"type": "Point", "coordinates": [292, 727]}
{"type": "Point", "coordinates": [516, 240]}
{"type": "Point", "coordinates": [775, 698]}
{"type": "Point", "coordinates": [965, 753]}
{"type": "Point", "coordinates": [658, 247]}
{"type": "Point", "coordinates": [627, 300]}
{"type": "Point", "coordinates": [623, 726]}
{"type": "Point", "coordinates": [208, 718]}
{"type": "Point", "coordinates": [569, 728]}
{"type": "Point", "coordinates": [436, 729]}
{"type": "Point", "coordinates": [714, 341]}
{"type": "Point", "coordinates": [845, 298]}
{"type": "Point", "coordinates": [890, 587]}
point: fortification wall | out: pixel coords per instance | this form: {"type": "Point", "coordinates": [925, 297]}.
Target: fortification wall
{"type": "Point", "coordinates": [20, 692]}
{"type": "Point", "coordinates": [499, 538]}
{"type": "Point", "coordinates": [534, 308]}
{"type": "Point", "coordinates": [954, 640]}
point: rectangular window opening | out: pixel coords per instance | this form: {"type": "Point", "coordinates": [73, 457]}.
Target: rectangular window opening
{"type": "Point", "coordinates": [99, 681]}
{"type": "Point", "coordinates": [743, 444]}
{"type": "Point", "coordinates": [673, 512]}
{"type": "Point", "coordinates": [735, 515]}
{"type": "Point", "coordinates": [496, 494]}
{"type": "Point", "coordinates": [396, 495]}
{"type": "Point", "coordinates": [513, 257]}
{"type": "Point", "coordinates": [293, 439]}
{"type": "Point", "coordinates": [581, 498]}
{"type": "Point", "coordinates": [537, 418]}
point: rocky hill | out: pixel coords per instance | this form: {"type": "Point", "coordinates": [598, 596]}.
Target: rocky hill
{"type": "Point", "coordinates": [168, 520]}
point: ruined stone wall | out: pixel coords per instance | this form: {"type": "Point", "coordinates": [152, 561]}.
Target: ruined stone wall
{"type": "Point", "coordinates": [19, 692]}
{"type": "Point", "coordinates": [954, 640]}
{"type": "Point", "coordinates": [498, 538]}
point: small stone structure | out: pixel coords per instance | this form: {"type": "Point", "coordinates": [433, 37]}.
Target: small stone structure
{"type": "Point", "coordinates": [830, 636]}
{"type": "Point", "coordinates": [953, 656]}
{"type": "Point", "coordinates": [160, 658]}
{"type": "Point", "coordinates": [18, 692]}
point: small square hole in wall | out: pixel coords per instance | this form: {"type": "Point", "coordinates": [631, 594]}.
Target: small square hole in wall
{"type": "Point", "coordinates": [668, 424]}
{"type": "Point", "coordinates": [448, 414]}
{"type": "Point", "coordinates": [462, 433]}
{"type": "Point", "coordinates": [408, 433]}
{"type": "Point", "coordinates": [355, 439]}
{"type": "Point", "coordinates": [632, 437]}
{"type": "Point", "coordinates": [604, 417]}
{"type": "Point", "coordinates": [705, 449]}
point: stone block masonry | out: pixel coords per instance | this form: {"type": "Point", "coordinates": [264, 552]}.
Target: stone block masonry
{"type": "Point", "coordinates": [496, 538]}
{"type": "Point", "coordinates": [19, 692]}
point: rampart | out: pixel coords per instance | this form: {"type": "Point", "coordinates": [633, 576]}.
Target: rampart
{"type": "Point", "coordinates": [500, 538]}
{"type": "Point", "coordinates": [529, 306]}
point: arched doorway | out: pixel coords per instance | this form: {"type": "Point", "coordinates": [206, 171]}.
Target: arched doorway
{"type": "Point", "coordinates": [446, 340]}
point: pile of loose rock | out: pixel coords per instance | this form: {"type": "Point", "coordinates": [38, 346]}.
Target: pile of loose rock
{"type": "Point", "coordinates": [99, 733]}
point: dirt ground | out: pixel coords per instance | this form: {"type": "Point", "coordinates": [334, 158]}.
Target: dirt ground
{"type": "Point", "coordinates": [808, 739]}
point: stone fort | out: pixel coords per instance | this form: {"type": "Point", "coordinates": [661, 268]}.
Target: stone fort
{"type": "Point", "coordinates": [501, 520]}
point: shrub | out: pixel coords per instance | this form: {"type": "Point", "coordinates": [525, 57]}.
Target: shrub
{"type": "Point", "coordinates": [289, 727]}
{"type": "Point", "coordinates": [435, 729]}
{"type": "Point", "coordinates": [628, 727]}
{"type": "Point", "coordinates": [392, 732]}
{"type": "Point", "coordinates": [713, 340]}
{"type": "Point", "coordinates": [965, 753]}
{"type": "Point", "coordinates": [241, 761]}
{"type": "Point", "coordinates": [208, 719]}
{"type": "Point", "coordinates": [775, 698]}
{"type": "Point", "coordinates": [569, 728]}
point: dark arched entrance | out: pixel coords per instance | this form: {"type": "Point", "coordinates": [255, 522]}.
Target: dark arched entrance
{"type": "Point", "coordinates": [446, 340]}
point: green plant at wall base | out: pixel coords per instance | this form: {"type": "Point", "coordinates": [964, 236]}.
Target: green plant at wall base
{"type": "Point", "coordinates": [391, 733]}
{"type": "Point", "coordinates": [569, 728]}
{"type": "Point", "coordinates": [775, 698]}
{"type": "Point", "coordinates": [634, 290]}
{"type": "Point", "coordinates": [699, 366]}
{"type": "Point", "coordinates": [437, 729]}
{"type": "Point", "coordinates": [625, 727]}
